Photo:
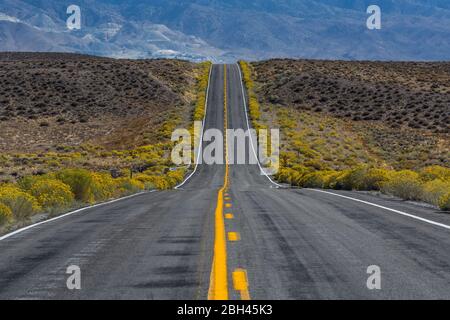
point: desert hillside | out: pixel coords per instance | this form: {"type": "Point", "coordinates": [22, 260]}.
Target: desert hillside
{"type": "Point", "coordinates": [78, 130]}
{"type": "Point", "coordinates": [400, 94]}
{"type": "Point", "coordinates": [49, 100]}
{"type": "Point", "coordinates": [380, 126]}
{"type": "Point", "coordinates": [396, 114]}
{"type": "Point", "coordinates": [60, 111]}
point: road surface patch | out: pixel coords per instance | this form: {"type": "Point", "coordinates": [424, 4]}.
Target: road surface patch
{"type": "Point", "coordinates": [386, 208]}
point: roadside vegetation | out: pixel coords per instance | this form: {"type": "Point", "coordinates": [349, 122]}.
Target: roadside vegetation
{"type": "Point", "coordinates": [57, 178]}
{"type": "Point", "coordinates": [322, 150]}
{"type": "Point", "coordinates": [253, 103]}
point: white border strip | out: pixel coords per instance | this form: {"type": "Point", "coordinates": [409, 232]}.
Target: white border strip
{"type": "Point", "coordinates": [70, 213]}
{"type": "Point", "coordinates": [248, 128]}
{"type": "Point", "coordinates": [386, 208]}
{"type": "Point", "coordinates": [200, 151]}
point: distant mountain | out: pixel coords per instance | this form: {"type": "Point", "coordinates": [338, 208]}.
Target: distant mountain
{"type": "Point", "coordinates": [231, 29]}
{"type": "Point", "coordinates": [41, 26]}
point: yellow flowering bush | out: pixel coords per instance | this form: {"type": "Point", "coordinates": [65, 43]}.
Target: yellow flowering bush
{"type": "Point", "coordinates": [253, 105]}
{"type": "Point", "coordinates": [246, 74]}
{"type": "Point", "coordinates": [202, 85]}
{"type": "Point", "coordinates": [175, 177]}
{"type": "Point", "coordinates": [5, 214]}
{"type": "Point", "coordinates": [26, 183]}
{"type": "Point", "coordinates": [435, 191]}
{"type": "Point", "coordinates": [317, 179]}
{"type": "Point", "coordinates": [435, 172]}
{"type": "Point", "coordinates": [103, 186]}
{"type": "Point", "coordinates": [80, 182]}
{"type": "Point", "coordinates": [374, 178]}
{"type": "Point", "coordinates": [129, 186]}
{"type": "Point", "coordinates": [253, 109]}
{"type": "Point", "coordinates": [288, 175]}
{"type": "Point", "coordinates": [154, 181]}
{"type": "Point", "coordinates": [52, 194]}
{"type": "Point", "coordinates": [405, 184]}
{"type": "Point", "coordinates": [444, 202]}
{"type": "Point", "coordinates": [21, 204]}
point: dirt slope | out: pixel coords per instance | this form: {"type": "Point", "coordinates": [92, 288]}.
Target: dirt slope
{"type": "Point", "coordinates": [48, 100]}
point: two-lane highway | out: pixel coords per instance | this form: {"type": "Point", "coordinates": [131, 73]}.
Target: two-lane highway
{"type": "Point", "coordinates": [280, 243]}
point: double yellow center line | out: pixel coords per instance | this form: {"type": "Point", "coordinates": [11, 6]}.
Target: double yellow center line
{"type": "Point", "coordinates": [218, 287]}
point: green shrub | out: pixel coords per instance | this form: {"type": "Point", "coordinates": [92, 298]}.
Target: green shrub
{"type": "Point", "coordinates": [26, 183]}
{"type": "Point", "coordinates": [21, 204]}
{"type": "Point", "coordinates": [444, 202]}
{"type": "Point", "coordinates": [52, 194]}
{"type": "Point", "coordinates": [356, 178]}
{"type": "Point", "coordinates": [405, 184]}
{"type": "Point", "coordinates": [80, 182]}
{"type": "Point", "coordinates": [290, 176]}
{"type": "Point", "coordinates": [5, 214]}
{"type": "Point", "coordinates": [342, 181]}
{"type": "Point", "coordinates": [374, 179]}
{"type": "Point", "coordinates": [331, 181]}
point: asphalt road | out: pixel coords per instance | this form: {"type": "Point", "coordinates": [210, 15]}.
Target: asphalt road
{"type": "Point", "coordinates": [293, 243]}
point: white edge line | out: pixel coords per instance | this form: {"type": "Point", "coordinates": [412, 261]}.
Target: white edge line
{"type": "Point", "coordinates": [248, 128]}
{"type": "Point", "coordinates": [6, 236]}
{"type": "Point", "coordinates": [201, 134]}
{"type": "Point", "coordinates": [386, 208]}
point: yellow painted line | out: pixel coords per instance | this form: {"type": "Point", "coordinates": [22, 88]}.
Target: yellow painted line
{"type": "Point", "coordinates": [227, 198]}
{"type": "Point", "coordinates": [229, 216]}
{"type": "Point", "coordinates": [228, 205]}
{"type": "Point", "coordinates": [218, 285]}
{"type": "Point", "coordinates": [240, 283]}
{"type": "Point", "coordinates": [234, 236]}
